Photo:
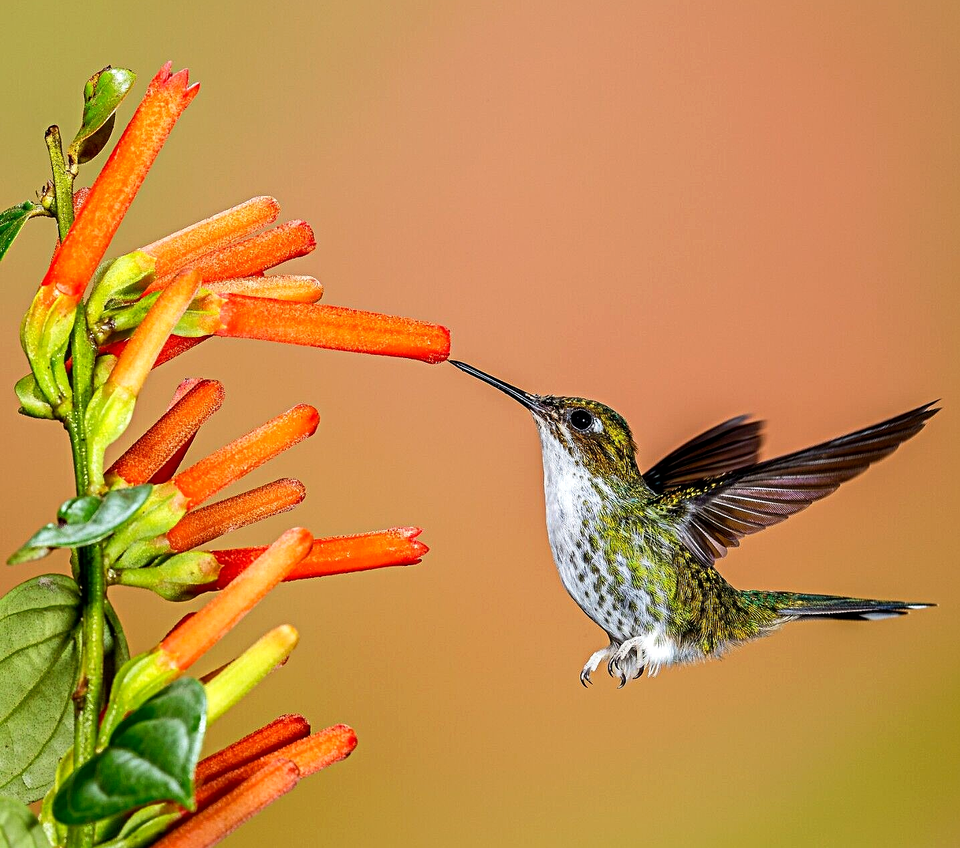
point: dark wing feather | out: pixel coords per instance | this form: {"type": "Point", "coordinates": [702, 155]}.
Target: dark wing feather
{"type": "Point", "coordinates": [714, 514]}
{"type": "Point", "coordinates": [721, 449]}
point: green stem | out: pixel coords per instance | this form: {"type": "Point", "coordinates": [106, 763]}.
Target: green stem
{"type": "Point", "coordinates": [88, 698]}
{"type": "Point", "coordinates": [62, 181]}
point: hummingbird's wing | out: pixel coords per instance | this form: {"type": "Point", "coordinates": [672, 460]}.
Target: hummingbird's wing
{"type": "Point", "coordinates": [713, 514]}
{"type": "Point", "coordinates": [721, 449]}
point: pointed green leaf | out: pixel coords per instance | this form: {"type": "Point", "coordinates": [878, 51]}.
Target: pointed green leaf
{"type": "Point", "coordinates": [115, 508]}
{"type": "Point", "coordinates": [12, 221]}
{"type": "Point", "coordinates": [102, 94]}
{"type": "Point", "coordinates": [19, 827]}
{"type": "Point", "coordinates": [151, 757]}
{"type": "Point", "coordinates": [38, 667]}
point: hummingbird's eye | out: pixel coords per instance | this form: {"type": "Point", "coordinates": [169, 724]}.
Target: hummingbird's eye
{"type": "Point", "coordinates": [581, 420]}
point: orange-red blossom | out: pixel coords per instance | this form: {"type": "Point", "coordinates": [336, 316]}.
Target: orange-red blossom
{"type": "Point", "coordinates": [337, 555]}
{"type": "Point", "coordinates": [233, 461]}
{"type": "Point", "coordinates": [243, 303]}
{"type": "Point", "coordinates": [238, 782]}
{"type": "Point", "coordinates": [154, 458]}
{"type": "Point", "coordinates": [194, 636]}
{"type": "Point", "coordinates": [201, 525]}
{"type": "Point", "coordinates": [118, 182]}
{"type": "Point", "coordinates": [149, 459]}
{"type": "Point", "coordinates": [154, 451]}
{"type": "Point", "coordinates": [241, 780]}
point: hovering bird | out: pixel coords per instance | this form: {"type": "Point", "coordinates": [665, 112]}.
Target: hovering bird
{"type": "Point", "coordinates": [637, 551]}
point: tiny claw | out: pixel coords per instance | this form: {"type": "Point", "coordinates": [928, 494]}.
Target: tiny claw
{"type": "Point", "coordinates": [593, 663]}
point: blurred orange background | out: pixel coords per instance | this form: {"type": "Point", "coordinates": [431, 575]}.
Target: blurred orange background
{"type": "Point", "coordinates": [686, 210]}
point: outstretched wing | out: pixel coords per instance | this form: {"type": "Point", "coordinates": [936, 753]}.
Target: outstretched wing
{"type": "Point", "coordinates": [721, 449]}
{"type": "Point", "coordinates": [714, 514]}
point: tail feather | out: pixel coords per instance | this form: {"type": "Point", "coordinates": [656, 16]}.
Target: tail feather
{"type": "Point", "coordinates": [838, 607]}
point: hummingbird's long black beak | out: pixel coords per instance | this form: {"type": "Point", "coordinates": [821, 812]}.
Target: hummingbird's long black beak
{"type": "Point", "coordinates": [529, 401]}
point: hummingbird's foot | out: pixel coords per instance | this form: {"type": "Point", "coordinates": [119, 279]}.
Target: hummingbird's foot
{"type": "Point", "coordinates": [593, 663]}
{"type": "Point", "coordinates": [627, 662]}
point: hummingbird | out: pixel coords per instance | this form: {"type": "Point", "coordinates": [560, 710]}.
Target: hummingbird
{"type": "Point", "coordinates": [637, 551]}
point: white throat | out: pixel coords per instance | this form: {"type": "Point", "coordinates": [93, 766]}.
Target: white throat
{"type": "Point", "coordinates": [571, 495]}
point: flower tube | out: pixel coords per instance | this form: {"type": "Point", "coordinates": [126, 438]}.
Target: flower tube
{"type": "Point", "coordinates": [118, 182]}
{"type": "Point", "coordinates": [311, 754]}
{"type": "Point", "coordinates": [210, 826]}
{"type": "Point", "coordinates": [336, 555]}
{"type": "Point", "coordinates": [144, 538]}
{"type": "Point", "coordinates": [172, 432]}
{"type": "Point", "coordinates": [277, 287]}
{"type": "Point", "coordinates": [266, 740]}
{"type": "Point", "coordinates": [252, 255]}
{"type": "Point", "coordinates": [182, 248]}
{"type": "Point", "coordinates": [332, 327]}
{"type": "Point", "coordinates": [111, 406]}
{"type": "Point", "coordinates": [209, 522]}
{"type": "Point", "coordinates": [241, 456]}
{"type": "Point", "coordinates": [233, 682]}
{"type": "Point", "coordinates": [194, 637]}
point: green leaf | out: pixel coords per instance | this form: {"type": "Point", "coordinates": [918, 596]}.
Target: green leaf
{"type": "Point", "coordinates": [39, 620]}
{"type": "Point", "coordinates": [102, 94]}
{"type": "Point", "coordinates": [32, 400]}
{"type": "Point", "coordinates": [12, 221]}
{"type": "Point", "coordinates": [78, 510]}
{"type": "Point", "coordinates": [151, 757]}
{"type": "Point", "coordinates": [19, 827]}
{"type": "Point", "coordinates": [115, 508]}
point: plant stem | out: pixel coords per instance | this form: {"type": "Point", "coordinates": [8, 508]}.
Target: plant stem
{"type": "Point", "coordinates": [89, 695]}
{"type": "Point", "coordinates": [62, 181]}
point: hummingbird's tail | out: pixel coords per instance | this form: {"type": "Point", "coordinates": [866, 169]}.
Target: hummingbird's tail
{"type": "Point", "coordinates": [832, 606]}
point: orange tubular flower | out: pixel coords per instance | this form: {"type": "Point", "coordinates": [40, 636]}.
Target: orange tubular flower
{"type": "Point", "coordinates": [253, 255]}
{"type": "Point", "coordinates": [321, 749]}
{"type": "Point", "coordinates": [193, 637]}
{"type": "Point", "coordinates": [337, 555]}
{"type": "Point", "coordinates": [333, 327]}
{"type": "Point", "coordinates": [276, 778]}
{"type": "Point", "coordinates": [310, 753]}
{"type": "Point", "coordinates": [176, 251]}
{"type": "Point", "coordinates": [169, 468]}
{"type": "Point", "coordinates": [117, 184]}
{"type": "Point", "coordinates": [267, 740]}
{"type": "Point", "coordinates": [139, 356]}
{"type": "Point", "coordinates": [277, 287]}
{"type": "Point", "coordinates": [172, 433]}
{"type": "Point", "coordinates": [232, 461]}
{"type": "Point", "coordinates": [209, 522]}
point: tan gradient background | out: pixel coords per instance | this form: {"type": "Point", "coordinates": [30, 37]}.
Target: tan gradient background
{"type": "Point", "coordinates": [687, 210]}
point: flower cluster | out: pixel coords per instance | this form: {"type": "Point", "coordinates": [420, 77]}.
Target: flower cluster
{"type": "Point", "coordinates": [92, 336]}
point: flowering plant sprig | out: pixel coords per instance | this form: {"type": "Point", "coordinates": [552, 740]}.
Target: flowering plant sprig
{"type": "Point", "coordinates": [110, 743]}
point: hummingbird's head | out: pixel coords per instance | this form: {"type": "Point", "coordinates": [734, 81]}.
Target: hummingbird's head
{"type": "Point", "coordinates": [592, 435]}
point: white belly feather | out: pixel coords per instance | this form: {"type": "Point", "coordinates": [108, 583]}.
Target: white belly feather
{"type": "Point", "coordinates": [574, 497]}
